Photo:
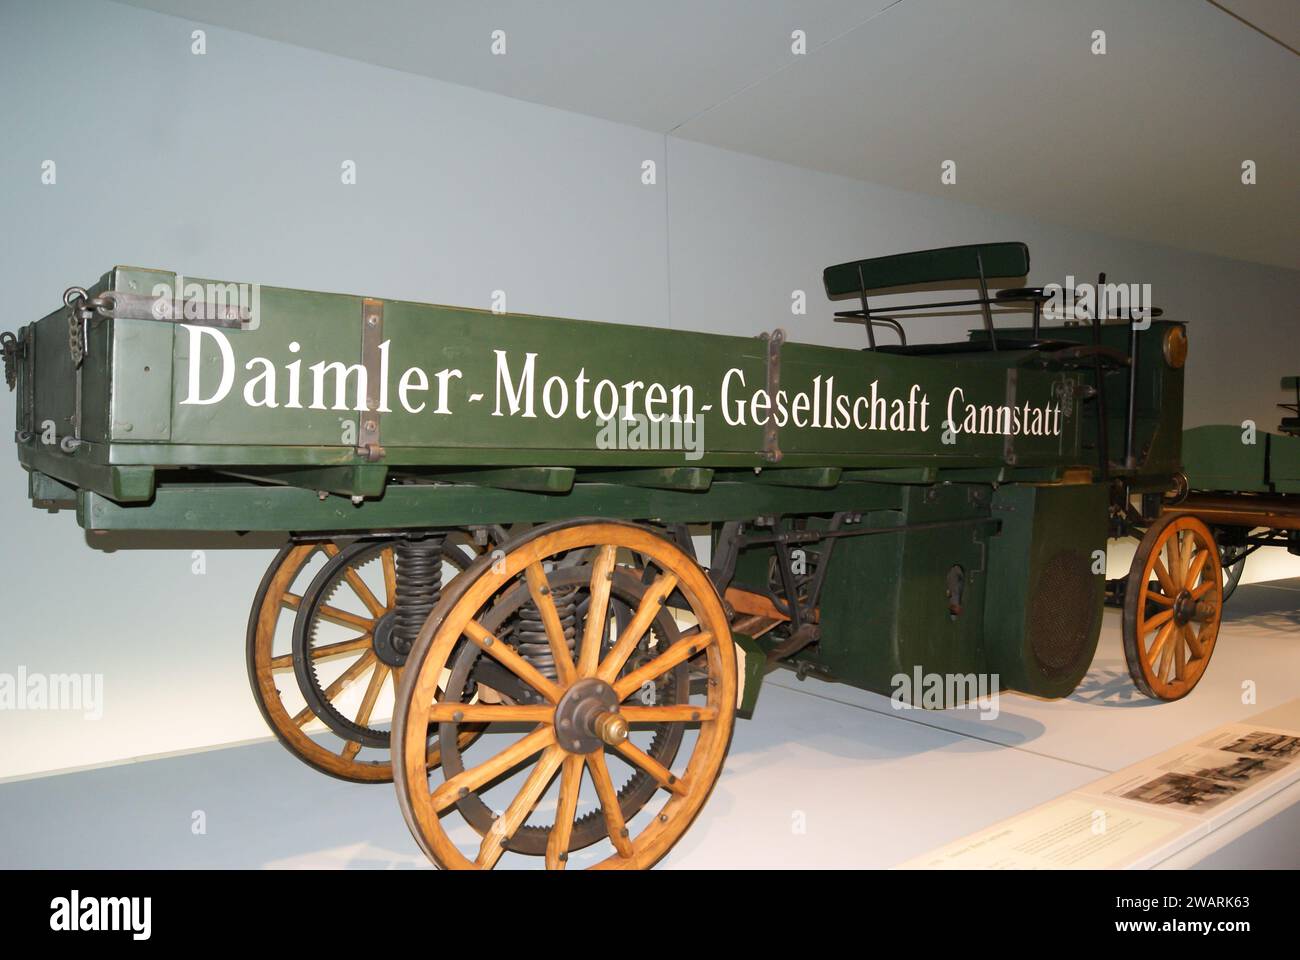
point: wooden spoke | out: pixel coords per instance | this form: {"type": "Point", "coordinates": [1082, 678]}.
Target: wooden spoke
{"type": "Point", "coordinates": [351, 674]}
{"type": "Point", "coordinates": [1160, 598]}
{"type": "Point", "coordinates": [557, 844]}
{"type": "Point", "coordinates": [682, 650]}
{"type": "Point", "coordinates": [350, 749]}
{"type": "Point", "coordinates": [1161, 639]}
{"type": "Point", "coordinates": [602, 572]}
{"type": "Point", "coordinates": [512, 661]}
{"type": "Point", "coordinates": [646, 611]}
{"type": "Point", "coordinates": [389, 560]}
{"type": "Point", "coordinates": [331, 651]}
{"type": "Point", "coordinates": [488, 770]}
{"type": "Point", "coordinates": [1166, 653]}
{"type": "Point", "coordinates": [303, 717]}
{"type": "Point", "coordinates": [661, 774]}
{"type": "Point", "coordinates": [494, 843]}
{"type": "Point", "coordinates": [372, 694]}
{"type": "Point", "coordinates": [1203, 589]}
{"type": "Point", "coordinates": [675, 713]}
{"type": "Point", "coordinates": [291, 601]}
{"type": "Point", "coordinates": [609, 803]}
{"type": "Point", "coordinates": [1180, 655]}
{"type": "Point", "coordinates": [1159, 620]}
{"type": "Point", "coordinates": [1173, 552]}
{"type": "Point", "coordinates": [1166, 581]}
{"type": "Point", "coordinates": [1186, 547]}
{"type": "Point", "coordinates": [363, 593]}
{"type": "Point", "coordinates": [490, 713]}
{"type": "Point", "coordinates": [282, 662]}
{"type": "Point", "coordinates": [345, 619]}
{"type": "Point", "coordinates": [1196, 568]}
{"type": "Point", "coordinates": [1193, 641]}
{"type": "Point", "coordinates": [540, 591]}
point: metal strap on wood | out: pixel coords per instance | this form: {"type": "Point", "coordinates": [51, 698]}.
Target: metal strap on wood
{"type": "Point", "coordinates": [771, 451]}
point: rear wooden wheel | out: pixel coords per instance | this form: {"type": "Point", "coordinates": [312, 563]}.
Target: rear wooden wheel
{"type": "Point", "coordinates": [1173, 603]}
{"type": "Point", "coordinates": [357, 681]}
{"type": "Point", "coordinates": [562, 737]}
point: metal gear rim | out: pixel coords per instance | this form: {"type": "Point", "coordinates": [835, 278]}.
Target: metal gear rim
{"type": "Point", "coordinates": [322, 588]}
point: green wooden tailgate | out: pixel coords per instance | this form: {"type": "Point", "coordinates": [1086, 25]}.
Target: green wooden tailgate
{"type": "Point", "coordinates": [1217, 458]}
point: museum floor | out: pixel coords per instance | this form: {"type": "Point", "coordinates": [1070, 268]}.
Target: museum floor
{"type": "Point", "coordinates": [824, 776]}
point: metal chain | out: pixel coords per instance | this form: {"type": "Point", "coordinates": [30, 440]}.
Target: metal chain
{"type": "Point", "coordinates": [9, 347]}
{"type": "Point", "coordinates": [82, 308]}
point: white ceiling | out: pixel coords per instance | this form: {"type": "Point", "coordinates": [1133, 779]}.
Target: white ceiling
{"type": "Point", "coordinates": [1145, 142]}
{"type": "Point", "coordinates": [1278, 19]}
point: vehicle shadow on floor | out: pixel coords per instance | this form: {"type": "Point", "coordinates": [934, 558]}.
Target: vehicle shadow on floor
{"type": "Point", "coordinates": [1271, 606]}
{"type": "Point", "coordinates": [1108, 686]}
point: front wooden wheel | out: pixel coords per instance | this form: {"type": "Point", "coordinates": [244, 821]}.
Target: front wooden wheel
{"type": "Point", "coordinates": [561, 721]}
{"type": "Point", "coordinates": [1173, 603]}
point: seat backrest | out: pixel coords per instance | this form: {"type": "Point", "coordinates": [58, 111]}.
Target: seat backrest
{"type": "Point", "coordinates": [946, 264]}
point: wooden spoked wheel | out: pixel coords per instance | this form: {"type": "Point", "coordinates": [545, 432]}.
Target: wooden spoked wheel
{"type": "Point", "coordinates": [561, 728]}
{"type": "Point", "coordinates": [1173, 603]}
{"type": "Point", "coordinates": [350, 658]}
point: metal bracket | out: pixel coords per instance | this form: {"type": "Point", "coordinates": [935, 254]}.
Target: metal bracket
{"type": "Point", "coordinates": [725, 553]}
{"type": "Point", "coordinates": [1064, 391]}
{"type": "Point", "coordinates": [117, 305]}
{"type": "Point", "coordinates": [771, 451]}
{"type": "Point", "coordinates": [372, 335]}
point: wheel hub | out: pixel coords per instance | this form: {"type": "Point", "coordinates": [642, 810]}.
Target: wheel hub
{"type": "Point", "coordinates": [587, 717]}
{"type": "Point", "coordinates": [388, 647]}
{"type": "Point", "coordinates": [1187, 609]}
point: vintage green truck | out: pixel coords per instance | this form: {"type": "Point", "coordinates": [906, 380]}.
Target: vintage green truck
{"type": "Point", "coordinates": [489, 520]}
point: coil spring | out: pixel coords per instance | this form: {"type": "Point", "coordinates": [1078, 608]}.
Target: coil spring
{"type": "Point", "coordinates": [419, 586]}
{"type": "Point", "coordinates": [530, 633]}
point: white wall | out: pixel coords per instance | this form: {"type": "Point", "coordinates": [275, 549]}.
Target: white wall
{"type": "Point", "coordinates": [228, 165]}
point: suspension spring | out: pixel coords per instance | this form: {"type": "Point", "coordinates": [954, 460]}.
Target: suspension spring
{"type": "Point", "coordinates": [530, 633]}
{"type": "Point", "coordinates": [419, 586]}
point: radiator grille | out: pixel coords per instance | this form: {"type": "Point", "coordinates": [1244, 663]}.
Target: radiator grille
{"type": "Point", "coordinates": [1062, 613]}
